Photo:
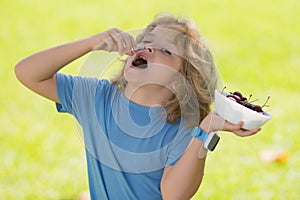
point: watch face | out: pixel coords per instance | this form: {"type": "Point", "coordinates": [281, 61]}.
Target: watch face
{"type": "Point", "coordinates": [213, 142]}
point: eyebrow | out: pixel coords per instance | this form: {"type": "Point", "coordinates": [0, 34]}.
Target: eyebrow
{"type": "Point", "coordinates": [151, 35]}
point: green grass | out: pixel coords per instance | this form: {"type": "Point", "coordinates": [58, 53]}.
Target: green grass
{"type": "Point", "coordinates": [255, 45]}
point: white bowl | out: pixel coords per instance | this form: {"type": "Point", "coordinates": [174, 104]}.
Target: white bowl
{"type": "Point", "coordinates": [235, 112]}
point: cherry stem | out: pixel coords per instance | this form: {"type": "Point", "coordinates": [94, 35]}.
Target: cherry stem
{"type": "Point", "coordinates": [253, 100]}
{"type": "Point", "coordinates": [249, 97]}
{"type": "Point", "coordinates": [265, 104]}
{"type": "Point", "coordinates": [223, 89]}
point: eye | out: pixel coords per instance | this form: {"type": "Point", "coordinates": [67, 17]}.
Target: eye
{"type": "Point", "coordinates": [145, 42]}
{"type": "Point", "coordinates": [165, 51]}
{"type": "Point", "coordinates": [142, 43]}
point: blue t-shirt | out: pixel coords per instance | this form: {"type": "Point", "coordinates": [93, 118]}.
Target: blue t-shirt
{"type": "Point", "coordinates": [127, 144]}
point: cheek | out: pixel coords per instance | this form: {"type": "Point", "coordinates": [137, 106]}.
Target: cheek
{"type": "Point", "coordinates": [178, 64]}
{"type": "Point", "coordinates": [162, 73]}
{"type": "Point", "coordinates": [174, 62]}
{"type": "Point", "coordinates": [127, 64]}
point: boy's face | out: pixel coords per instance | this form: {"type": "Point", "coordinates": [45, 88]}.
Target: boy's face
{"type": "Point", "coordinates": [156, 60]}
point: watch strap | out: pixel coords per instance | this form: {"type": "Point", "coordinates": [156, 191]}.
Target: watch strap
{"type": "Point", "coordinates": [210, 140]}
{"type": "Point", "coordinates": [200, 134]}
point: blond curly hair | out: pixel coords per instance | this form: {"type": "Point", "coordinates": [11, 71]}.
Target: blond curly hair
{"type": "Point", "coordinates": [195, 92]}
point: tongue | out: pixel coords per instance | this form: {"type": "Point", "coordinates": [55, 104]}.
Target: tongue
{"type": "Point", "coordinates": [140, 63]}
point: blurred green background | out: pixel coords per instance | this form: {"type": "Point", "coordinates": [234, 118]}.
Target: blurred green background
{"type": "Point", "coordinates": [256, 46]}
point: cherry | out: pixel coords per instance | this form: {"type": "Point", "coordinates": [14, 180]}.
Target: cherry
{"type": "Point", "coordinates": [250, 106]}
{"type": "Point", "coordinates": [257, 108]}
{"type": "Point", "coordinates": [233, 97]}
{"type": "Point", "coordinates": [239, 98]}
{"type": "Point", "coordinates": [238, 94]}
{"type": "Point", "coordinates": [244, 99]}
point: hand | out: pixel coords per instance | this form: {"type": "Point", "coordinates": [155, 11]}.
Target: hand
{"type": "Point", "coordinates": [116, 40]}
{"type": "Point", "coordinates": [213, 122]}
{"type": "Point", "coordinates": [238, 130]}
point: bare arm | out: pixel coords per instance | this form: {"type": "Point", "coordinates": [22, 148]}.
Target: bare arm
{"type": "Point", "coordinates": [37, 72]}
{"type": "Point", "coordinates": [182, 180]}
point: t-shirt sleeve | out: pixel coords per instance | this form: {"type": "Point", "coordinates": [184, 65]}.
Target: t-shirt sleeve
{"type": "Point", "coordinates": [74, 92]}
{"type": "Point", "coordinates": [64, 84]}
{"type": "Point", "coordinates": [179, 145]}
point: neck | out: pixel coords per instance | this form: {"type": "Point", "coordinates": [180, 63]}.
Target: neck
{"type": "Point", "coordinates": [152, 95]}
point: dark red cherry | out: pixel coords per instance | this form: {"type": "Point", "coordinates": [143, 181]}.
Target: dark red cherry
{"type": "Point", "coordinates": [257, 108]}
{"type": "Point", "coordinates": [244, 99]}
{"type": "Point", "coordinates": [249, 105]}
{"type": "Point", "coordinates": [238, 94]}
{"type": "Point", "coordinates": [239, 98]}
{"type": "Point", "coordinates": [231, 97]}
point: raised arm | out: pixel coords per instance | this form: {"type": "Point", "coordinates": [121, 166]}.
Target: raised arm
{"type": "Point", "coordinates": [37, 72]}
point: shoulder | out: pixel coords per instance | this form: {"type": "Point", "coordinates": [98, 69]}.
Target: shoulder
{"type": "Point", "coordinates": [82, 82]}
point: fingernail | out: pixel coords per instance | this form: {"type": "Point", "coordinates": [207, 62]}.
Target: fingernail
{"type": "Point", "coordinates": [129, 53]}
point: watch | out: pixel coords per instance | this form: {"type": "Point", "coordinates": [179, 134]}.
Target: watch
{"type": "Point", "coordinates": [210, 140]}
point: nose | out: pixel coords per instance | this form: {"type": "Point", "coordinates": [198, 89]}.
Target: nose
{"type": "Point", "coordinates": [149, 49]}
{"type": "Point", "coordinates": [146, 47]}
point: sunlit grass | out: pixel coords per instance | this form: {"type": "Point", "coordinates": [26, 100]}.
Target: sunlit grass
{"type": "Point", "coordinates": [255, 45]}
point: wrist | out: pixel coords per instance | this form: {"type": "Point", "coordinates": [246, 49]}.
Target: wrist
{"type": "Point", "coordinates": [208, 123]}
{"type": "Point", "coordinates": [96, 42]}
{"type": "Point", "coordinates": [205, 125]}
{"type": "Point", "coordinates": [210, 140]}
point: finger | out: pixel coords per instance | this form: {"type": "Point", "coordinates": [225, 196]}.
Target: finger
{"type": "Point", "coordinates": [110, 41]}
{"type": "Point", "coordinates": [232, 127]}
{"type": "Point", "coordinates": [128, 42]}
{"type": "Point", "coordinates": [133, 50]}
{"type": "Point", "coordinates": [119, 42]}
{"type": "Point", "coordinates": [130, 53]}
{"type": "Point", "coordinates": [119, 39]}
{"type": "Point", "coordinates": [109, 44]}
{"type": "Point", "coordinates": [132, 43]}
{"type": "Point", "coordinates": [244, 133]}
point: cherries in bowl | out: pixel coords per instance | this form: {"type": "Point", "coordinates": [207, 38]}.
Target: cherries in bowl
{"type": "Point", "coordinates": [234, 107]}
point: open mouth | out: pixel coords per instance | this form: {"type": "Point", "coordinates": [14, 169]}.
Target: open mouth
{"type": "Point", "coordinates": [140, 62]}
